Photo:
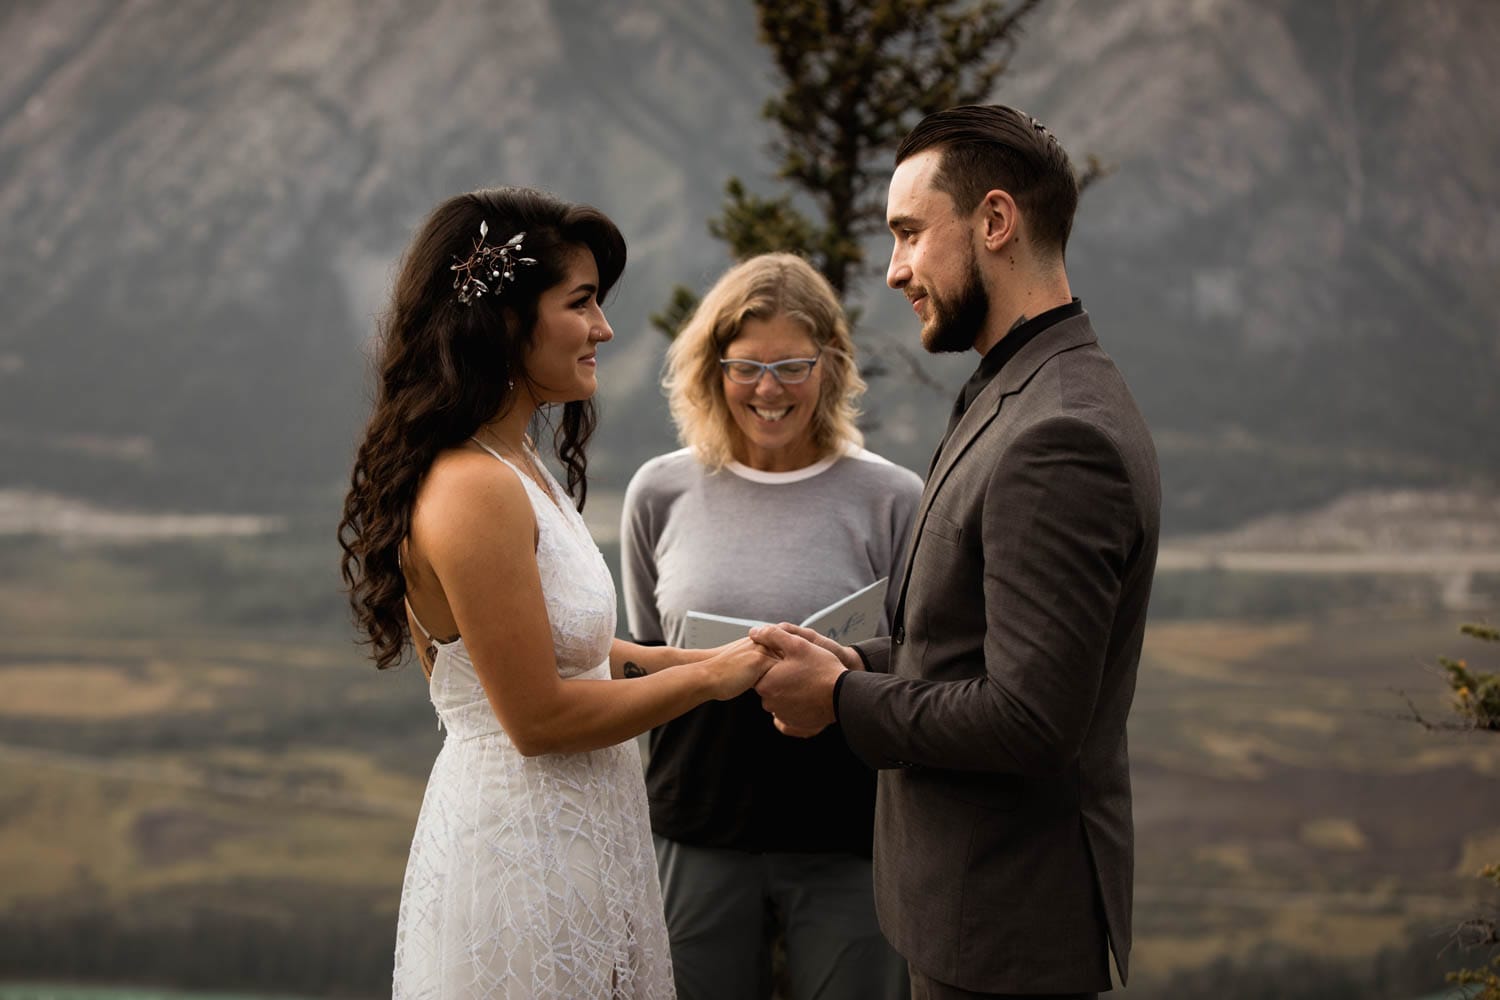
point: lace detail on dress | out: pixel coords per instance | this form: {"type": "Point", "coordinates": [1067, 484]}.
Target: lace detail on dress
{"type": "Point", "coordinates": [534, 876]}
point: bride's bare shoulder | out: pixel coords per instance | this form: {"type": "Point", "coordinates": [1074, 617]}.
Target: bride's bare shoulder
{"type": "Point", "coordinates": [467, 491]}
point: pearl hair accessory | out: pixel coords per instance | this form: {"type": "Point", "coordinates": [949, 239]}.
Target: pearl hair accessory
{"type": "Point", "coordinates": [488, 267]}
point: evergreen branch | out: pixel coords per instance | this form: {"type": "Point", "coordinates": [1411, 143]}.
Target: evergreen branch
{"type": "Point", "coordinates": [856, 76]}
{"type": "Point", "coordinates": [1095, 171]}
{"type": "Point", "coordinates": [1480, 632]}
{"type": "Point", "coordinates": [679, 310]}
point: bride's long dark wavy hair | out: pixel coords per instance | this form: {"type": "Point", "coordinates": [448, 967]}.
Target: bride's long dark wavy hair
{"type": "Point", "coordinates": [445, 368]}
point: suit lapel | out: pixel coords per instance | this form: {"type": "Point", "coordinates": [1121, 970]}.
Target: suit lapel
{"type": "Point", "coordinates": [1067, 335]}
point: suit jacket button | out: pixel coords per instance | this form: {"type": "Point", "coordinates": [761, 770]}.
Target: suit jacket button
{"type": "Point", "coordinates": [899, 635]}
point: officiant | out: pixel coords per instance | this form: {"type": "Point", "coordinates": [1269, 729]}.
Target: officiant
{"type": "Point", "coordinates": [772, 510]}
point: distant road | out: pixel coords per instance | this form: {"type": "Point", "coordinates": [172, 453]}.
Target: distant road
{"type": "Point", "coordinates": [1382, 563]}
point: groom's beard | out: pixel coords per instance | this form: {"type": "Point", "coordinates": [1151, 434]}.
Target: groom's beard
{"type": "Point", "coordinates": [957, 322]}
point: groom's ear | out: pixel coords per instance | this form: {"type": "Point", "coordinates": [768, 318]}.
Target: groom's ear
{"type": "Point", "coordinates": [999, 219]}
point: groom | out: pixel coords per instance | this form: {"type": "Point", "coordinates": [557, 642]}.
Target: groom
{"type": "Point", "coordinates": [996, 709]}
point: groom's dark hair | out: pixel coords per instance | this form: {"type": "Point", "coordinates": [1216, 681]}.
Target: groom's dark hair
{"type": "Point", "coordinates": [989, 146]}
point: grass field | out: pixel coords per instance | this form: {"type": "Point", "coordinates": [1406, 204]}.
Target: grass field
{"type": "Point", "coordinates": [225, 804]}
{"type": "Point", "coordinates": [1280, 801]}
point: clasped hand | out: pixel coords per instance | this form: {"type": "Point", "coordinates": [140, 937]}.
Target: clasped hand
{"type": "Point", "coordinates": [798, 688]}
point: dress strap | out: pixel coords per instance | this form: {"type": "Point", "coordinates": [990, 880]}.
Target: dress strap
{"type": "Point", "coordinates": [487, 448]}
{"type": "Point", "coordinates": [401, 565]}
{"type": "Point", "coordinates": [547, 490]}
{"type": "Point", "coordinates": [417, 621]}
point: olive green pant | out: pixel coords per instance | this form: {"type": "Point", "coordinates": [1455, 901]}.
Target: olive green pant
{"type": "Point", "coordinates": [716, 904]}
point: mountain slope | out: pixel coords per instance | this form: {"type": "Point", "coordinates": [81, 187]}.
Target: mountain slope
{"type": "Point", "coordinates": [1293, 262]}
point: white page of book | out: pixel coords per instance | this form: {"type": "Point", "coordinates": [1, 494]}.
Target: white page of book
{"type": "Point", "coordinates": [849, 619]}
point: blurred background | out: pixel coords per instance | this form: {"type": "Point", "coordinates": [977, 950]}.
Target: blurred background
{"type": "Point", "coordinates": [1292, 254]}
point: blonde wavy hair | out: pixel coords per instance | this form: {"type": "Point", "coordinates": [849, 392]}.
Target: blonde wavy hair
{"type": "Point", "coordinates": [763, 288]}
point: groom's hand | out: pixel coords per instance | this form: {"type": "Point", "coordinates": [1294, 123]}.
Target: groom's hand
{"type": "Point", "coordinates": [846, 654]}
{"type": "Point", "coordinates": [798, 690]}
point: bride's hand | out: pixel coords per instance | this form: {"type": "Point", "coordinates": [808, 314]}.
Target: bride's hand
{"type": "Point", "coordinates": [736, 667]}
{"type": "Point", "coordinates": [712, 651]}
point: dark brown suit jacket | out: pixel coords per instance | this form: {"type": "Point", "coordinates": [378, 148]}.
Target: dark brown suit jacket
{"type": "Point", "coordinates": [996, 711]}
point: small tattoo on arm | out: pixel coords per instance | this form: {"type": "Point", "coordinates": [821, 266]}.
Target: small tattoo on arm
{"type": "Point", "coordinates": [632, 669]}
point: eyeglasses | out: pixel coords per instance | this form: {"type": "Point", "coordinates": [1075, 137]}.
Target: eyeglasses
{"type": "Point", "coordinates": [788, 372]}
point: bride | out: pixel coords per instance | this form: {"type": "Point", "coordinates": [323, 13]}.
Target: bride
{"type": "Point", "coordinates": [531, 871]}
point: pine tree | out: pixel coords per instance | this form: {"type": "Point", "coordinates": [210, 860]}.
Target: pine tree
{"type": "Point", "coordinates": [856, 76]}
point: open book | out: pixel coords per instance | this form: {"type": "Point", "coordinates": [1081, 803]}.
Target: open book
{"type": "Point", "coordinates": [847, 620]}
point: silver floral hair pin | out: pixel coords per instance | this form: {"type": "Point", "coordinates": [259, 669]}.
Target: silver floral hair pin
{"type": "Point", "coordinates": [488, 267]}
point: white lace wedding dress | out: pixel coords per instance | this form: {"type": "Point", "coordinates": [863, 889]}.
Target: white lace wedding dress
{"type": "Point", "coordinates": [533, 877]}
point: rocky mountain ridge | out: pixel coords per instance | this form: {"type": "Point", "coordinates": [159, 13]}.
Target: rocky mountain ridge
{"type": "Point", "coordinates": [1292, 262]}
